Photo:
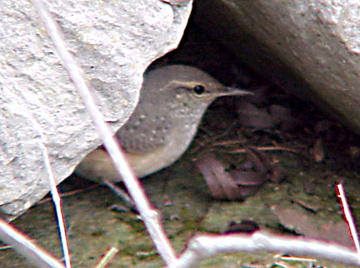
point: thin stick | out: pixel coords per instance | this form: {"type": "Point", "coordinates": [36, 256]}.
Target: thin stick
{"type": "Point", "coordinates": [348, 216]}
{"type": "Point", "coordinates": [70, 193]}
{"type": "Point", "coordinates": [149, 215]}
{"type": "Point", "coordinates": [265, 148]}
{"type": "Point", "coordinates": [26, 247]}
{"type": "Point", "coordinates": [109, 255]}
{"type": "Point", "coordinates": [58, 208]}
{"type": "Point", "coordinates": [22, 109]}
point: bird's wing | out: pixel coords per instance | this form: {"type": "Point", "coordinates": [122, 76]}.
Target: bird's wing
{"type": "Point", "coordinates": [140, 137]}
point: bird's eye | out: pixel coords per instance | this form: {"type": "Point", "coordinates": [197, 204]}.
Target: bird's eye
{"type": "Point", "coordinates": [199, 89]}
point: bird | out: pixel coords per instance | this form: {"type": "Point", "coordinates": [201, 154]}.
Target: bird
{"type": "Point", "coordinates": [172, 102]}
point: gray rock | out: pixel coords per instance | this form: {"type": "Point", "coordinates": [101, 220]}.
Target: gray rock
{"type": "Point", "coordinates": [311, 48]}
{"type": "Point", "coordinates": [113, 41]}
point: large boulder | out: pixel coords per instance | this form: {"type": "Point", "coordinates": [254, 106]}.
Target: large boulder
{"type": "Point", "coordinates": [113, 41]}
{"type": "Point", "coordinates": [311, 47]}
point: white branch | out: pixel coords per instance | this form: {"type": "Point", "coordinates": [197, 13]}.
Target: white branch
{"type": "Point", "coordinates": [149, 215]}
{"type": "Point", "coordinates": [208, 245]}
{"type": "Point", "coordinates": [26, 247]}
{"type": "Point", "coordinates": [348, 216]}
{"type": "Point", "coordinates": [41, 139]}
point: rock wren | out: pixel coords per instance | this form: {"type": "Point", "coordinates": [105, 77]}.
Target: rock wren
{"type": "Point", "coordinates": [172, 102]}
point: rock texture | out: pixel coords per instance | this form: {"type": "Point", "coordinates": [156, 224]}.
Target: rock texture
{"type": "Point", "coordinates": [311, 48]}
{"type": "Point", "coordinates": [114, 42]}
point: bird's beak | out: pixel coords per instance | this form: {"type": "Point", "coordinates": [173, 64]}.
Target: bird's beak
{"type": "Point", "coordinates": [233, 91]}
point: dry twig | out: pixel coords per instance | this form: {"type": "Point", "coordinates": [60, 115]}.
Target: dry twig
{"type": "Point", "coordinates": [149, 215]}
{"type": "Point", "coordinates": [205, 246]}
{"type": "Point", "coordinates": [26, 247]}
{"type": "Point", "coordinates": [348, 216]}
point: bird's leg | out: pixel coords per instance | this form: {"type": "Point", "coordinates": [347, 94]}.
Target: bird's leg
{"type": "Point", "coordinates": [122, 194]}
